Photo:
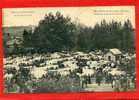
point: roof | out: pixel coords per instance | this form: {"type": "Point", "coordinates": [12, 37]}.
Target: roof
{"type": "Point", "coordinates": [115, 51]}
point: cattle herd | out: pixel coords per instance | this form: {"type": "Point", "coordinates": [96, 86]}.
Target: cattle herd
{"type": "Point", "coordinates": [79, 68]}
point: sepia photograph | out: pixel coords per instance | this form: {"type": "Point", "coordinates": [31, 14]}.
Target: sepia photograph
{"type": "Point", "coordinates": [69, 49]}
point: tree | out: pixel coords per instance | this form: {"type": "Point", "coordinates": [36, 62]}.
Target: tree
{"type": "Point", "coordinates": [84, 38]}
{"type": "Point", "coordinates": [112, 35]}
{"type": "Point", "coordinates": [27, 38]}
{"type": "Point", "coordinates": [5, 48]}
{"type": "Point", "coordinates": [54, 33]}
{"type": "Point", "coordinates": [127, 30]}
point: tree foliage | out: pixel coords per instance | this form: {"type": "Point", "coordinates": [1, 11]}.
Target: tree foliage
{"type": "Point", "coordinates": [57, 32]}
{"type": "Point", "coordinates": [54, 33]}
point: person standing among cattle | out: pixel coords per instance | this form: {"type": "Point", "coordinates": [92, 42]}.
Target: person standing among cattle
{"type": "Point", "coordinates": [99, 77]}
{"type": "Point", "coordinates": [109, 79]}
{"type": "Point", "coordinates": [116, 83]}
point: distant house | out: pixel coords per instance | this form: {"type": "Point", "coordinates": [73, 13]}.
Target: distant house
{"type": "Point", "coordinates": [113, 55]}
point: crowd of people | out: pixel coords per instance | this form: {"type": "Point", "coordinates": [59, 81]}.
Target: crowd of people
{"type": "Point", "coordinates": [23, 71]}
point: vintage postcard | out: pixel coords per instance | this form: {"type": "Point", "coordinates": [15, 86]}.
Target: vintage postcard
{"type": "Point", "coordinates": [69, 49]}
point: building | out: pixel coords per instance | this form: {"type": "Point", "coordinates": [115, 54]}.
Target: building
{"type": "Point", "coordinates": [113, 55]}
{"type": "Point", "coordinates": [13, 44]}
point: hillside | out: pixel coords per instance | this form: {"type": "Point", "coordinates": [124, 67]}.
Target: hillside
{"type": "Point", "coordinates": [15, 30]}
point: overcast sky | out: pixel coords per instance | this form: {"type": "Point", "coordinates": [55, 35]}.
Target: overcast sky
{"type": "Point", "coordinates": [85, 15]}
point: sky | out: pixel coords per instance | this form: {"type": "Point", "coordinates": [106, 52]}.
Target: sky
{"type": "Point", "coordinates": [85, 15]}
